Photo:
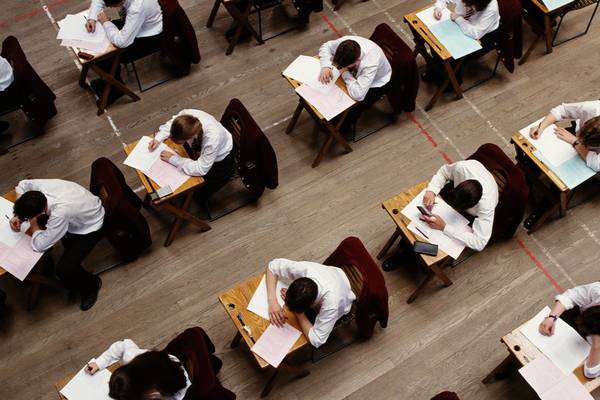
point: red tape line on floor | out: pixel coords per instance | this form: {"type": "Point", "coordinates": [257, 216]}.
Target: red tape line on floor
{"type": "Point", "coordinates": [32, 13]}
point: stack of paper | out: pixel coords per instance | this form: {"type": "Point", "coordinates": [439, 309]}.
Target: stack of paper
{"type": "Point", "coordinates": [16, 255]}
{"type": "Point", "coordinates": [73, 33]}
{"type": "Point", "coordinates": [274, 344]}
{"type": "Point", "coordinates": [149, 162]}
{"type": "Point", "coordinates": [550, 383]}
{"type": "Point", "coordinates": [88, 387]}
{"type": "Point", "coordinates": [449, 33]}
{"type": "Point", "coordinates": [307, 69]}
{"type": "Point", "coordinates": [448, 245]}
{"type": "Point", "coordinates": [259, 303]}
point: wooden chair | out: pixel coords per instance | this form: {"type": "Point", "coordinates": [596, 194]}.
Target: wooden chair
{"type": "Point", "coordinates": [580, 4]}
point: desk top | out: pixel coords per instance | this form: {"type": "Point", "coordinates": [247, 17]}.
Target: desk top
{"type": "Point", "coordinates": [422, 30]}
{"type": "Point", "coordinates": [10, 196]}
{"type": "Point", "coordinates": [527, 148]}
{"type": "Point", "coordinates": [540, 4]}
{"type": "Point", "coordinates": [525, 351]}
{"type": "Point", "coordinates": [63, 382]}
{"type": "Point", "coordinates": [193, 182]}
{"type": "Point", "coordinates": [240, 296]}
{"type": "Point", "coordinates": [394, 208]}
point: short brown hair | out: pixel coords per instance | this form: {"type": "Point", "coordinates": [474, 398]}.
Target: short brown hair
{"type": "Point", "coordinates": [184, 127]}
{"type": "Point", "coordinates": [590, 133]}
{"type": "Point", "coordinates": [478, 5]}
{"type": "Point", "coordinates": [346, 54]}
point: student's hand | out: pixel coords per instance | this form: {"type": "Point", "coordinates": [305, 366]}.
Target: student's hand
{"type": "Point", "coordinates": [437, 13]}
{"type": "Point", "coordinates": [547, 327]}
{"type": "Point", "coordinates": [326, 75]}
{"type": "Point", "coordinates": [102, 17]}
{"type": "Point", "coordinates": [90, 25]}
{"type": "Point", "coordinates": [454, 16]}
{"type": "Point", "coordinates": [276, 314]}
{"type": "Point", "coordinates": [565, 135]}
{"type": "Point", "coordinates": [15, 224]}
{"type": "Point", "coordinates": [435, 222]}
{"type": "Point", "coordinates": [166, 155]}
{"type": "Point", "coordinates": [91, 368]}
{"type": "Point", "coordinates": [535, 132]}
{"type": "Point", "coordinates": [429, 200]}
{"type": "Point", "coordinates": [153, 144]}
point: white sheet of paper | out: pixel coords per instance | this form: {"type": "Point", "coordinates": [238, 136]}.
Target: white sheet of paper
{"type": "Point", "coordinates": [7, 235]}
{"type": "Point", "coordinates": [259, 304]}
{"type": "Point", "coordinates": [306, 69]}
{"type": "Point", "coordinates": [96, 47]}
{"type": "Point", "coordinates": [73, 27]}
{"type": "Point", "coordinates": [448, 245]}
{"type": "Point", "coordinates": [88, 387]}
{"type": "Point", "coordinates": [329, 104]}
{"type": "Point", "coordinates": [426, 16]}
{"type": "Point", "coordinates": [441, 208]}
{"type": "Point", "coordinates": [566, 348]}
{"type": "Point", "coordinates": [541, 374]}
{"type": "Point", "coordinates": [143, 159]}
{"type": "Point", "coordinates": [274, 344]}
{"type": "Point", "coordinates": [569, 388]}
{"type": "Point", "coordinates": [556, 151]}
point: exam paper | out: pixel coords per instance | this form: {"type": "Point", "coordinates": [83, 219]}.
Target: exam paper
{"type": "Point", "coordinates": [20, 259]}
{"type": "Point", "coordinates": [329, 104]}
{"type": "Point", "coordinates": [426, 16]}
{"type": "Point", "coordinates": [95, 47]}
{"type": "Point", "coordinates": [441, 208]}
{"type": "Point", "coordinates": [259, 304]}
{"type": "Point", "coordinates": [7, 235]}
{"type": "Point", "coordinates": [73, 27]}
{"type": "Point", "coordinates": [555, 150]}
{"type": "Point", "coordinates": [306, 69]}
{"type": "Point", "coordinates": [566, 348]}
{"type": "Point", "coordinates": [88, 387]}
{"type": "Point", "coordinates": [448, 245]}
{"type": "Point", "coordinates": [274, 344]}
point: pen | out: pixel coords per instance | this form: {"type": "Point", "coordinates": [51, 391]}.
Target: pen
{"type": "Point", "coordinates": [7, 217]}
{"type": "Point", "coordinates": [245, 327]}
{"type": "Point", "coordinates": [422, 233]}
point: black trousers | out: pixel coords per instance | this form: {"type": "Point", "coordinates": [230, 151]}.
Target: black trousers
{"type": "Point", "coordinates": [10, 97]}
{"type": "Point", "coordinates": [69, 269]}
{"type": "Point", "coordinates": [219, 174]}
{"type": "Point", "coordinates": [371, 98]}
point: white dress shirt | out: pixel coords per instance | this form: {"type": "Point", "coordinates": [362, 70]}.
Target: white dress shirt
{"type": "Point", "coordinates": [6, 74]}
{"type": "Point", "coordinates": [141, 18]}
{"type": "Point", "coordinates": [126, 350]}
{"type": "Point", "coordinates": [581, 113]}
{"type": "Point", "coordinates": [483, 211]}
{"type": "Point", "coordinates": [479, 23]}
{"type": "Point", "coordinates": [334, 298]}
{"type": "Point", "coordinates": [217, 143]}
{"type": "Point", "coordinates": [584, 296]}
{"type": "Point", "coordinates": [374, 69]}
{"type": "Point", "coordinates": [71, 208]}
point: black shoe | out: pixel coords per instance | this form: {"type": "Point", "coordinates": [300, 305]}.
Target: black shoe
{"type": "Point", "coordinates": [393, 261]}
{"type": "Point", "coordinates": [431, 76]}
{"type": "Point", "coordinates": [89, 299]}
{"type": "Point", "coordinates": [3, 126]}
{"type": "Point", "coordinates": [531, 220]}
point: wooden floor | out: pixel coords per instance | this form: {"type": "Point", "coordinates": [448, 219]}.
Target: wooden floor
{"type": "Point", "coordinates": [447, 340]}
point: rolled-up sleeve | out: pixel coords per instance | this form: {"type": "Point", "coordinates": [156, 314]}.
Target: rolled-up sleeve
{"type": "Point", "coordinates": [56, 228]}
{"type": "Point", "coordinates": [125, 37]}
{"type": "Point", "coordinates": [593, 160]}
{"type": "Point", "coordinates": [96, 7]}
{"type": "Point", "coordinates": [581, 296]}
{"type": "Point", "coordinates": [359, 86]}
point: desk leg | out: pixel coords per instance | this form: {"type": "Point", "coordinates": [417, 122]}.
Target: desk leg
{"type": "Point", "coordinates": [83, 75]}
{"type": "Point", "coordinates": [530, 49]}
{"type": "Point", "coordinates": [242, 20]}
{"type": "Point", "coordinates": [389, 244]}
{"type": "Point", "coordinates": [432, 271]}
{"type": "Point", "coordinates": [500, 369]}
{"type": "Point", "coordinates": [548, 33]}
{"type": "Point", "coordinates": [283, 367]}
{"type": "Point", "coordinates": [236, 340]}
{"type": "Point", "coordinates": [295, 117]}
{"type": "Point", "coordinates": [213, 13]}
{"type": "Point", "coordinates": [564, 201]}
{"type": "Point", "coordinates": [180, 214]}
{"type": "Point", "coordinates": [333, 134]}
{"type": "Point", "coordinates": [452, 75]}
{"type": "Point", "coordinates": [111, 81]}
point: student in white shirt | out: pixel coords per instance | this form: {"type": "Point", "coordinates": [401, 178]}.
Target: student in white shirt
{"type": "Point", "coordinates": [55, 210]}
{"type": "Point", "coordinates": [208, 143]}
{"type": "Point", "coordinates": [363, 66]}
{"type": "Point", "coordinates": [473, 190]}
{"type": "Point", "coordinates": [138, 32]}
{"type": "Point", "coordinates": [8, 89]}
{"type": "Point", "coordinates": [580, 307]}
{"type": "Point", "coordinates": [322, 288]}
{"type": "Point", "coordinates": [145, 374]}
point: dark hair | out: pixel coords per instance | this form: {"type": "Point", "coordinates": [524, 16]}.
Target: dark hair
{"type": "Point", "coordinates": [464, 196]}
{"type": "Point", "coordinates": [112, 3]}
{"type": "Point", "coordinates": [30, 204]}
{"type": "Point", "coordinates": [347, 53]}
{"type": "Point", "coordinates": [478, 5]}
{"type": "Point", "coordinates": [150, 371]}
{"type": "Point", "coordinates": [590, 133]}
{"type": "Point", "coordinates": [184, 127]}
{"type": "Point", "coordinates": [301, 294]}
{"type": "Point", "coordinates": [588, 321]}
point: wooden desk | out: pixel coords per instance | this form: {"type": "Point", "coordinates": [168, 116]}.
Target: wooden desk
{"type": "Point", "coordinates": [236, 300]}
{"type": "Point", "coordinates": [521, 351]}
{"type": "Point", "coordinates": [107, 76]}
{"type": "Point", "coordinates": [239, 16]}
{"type": "Point", "coordinates": [546, 30]}
{"type": "Point", "coordinates": [185, 191]}
{"type": "Point", "coordinates": [422, 36]}
{"type": "Point", "coordinates": [63, 382]}
{"type": "Point", "coordinates": [433, 265]}
{"type": "Point", "coordinates": [332, 129]}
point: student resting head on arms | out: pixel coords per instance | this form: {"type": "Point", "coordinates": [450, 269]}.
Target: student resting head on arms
{"type": "Point", "coordinates": [476, 18]}
{"type": "Point", "coordinates": [208, 144]}
{"type": "Point", "coordinates": [468, 187]}
{"type": "Point", "coordinates": [313, 286]}
{"type": "Point", "coordinates": [144, 375]}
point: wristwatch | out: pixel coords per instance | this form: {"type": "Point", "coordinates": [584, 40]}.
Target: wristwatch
{"type": "Point", "coordinates": [554, 317]}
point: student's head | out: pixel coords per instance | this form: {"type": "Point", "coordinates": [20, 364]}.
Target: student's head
{"type": "Point", "coordinates": [464, 196]}
{"type": "Point", "coordinates": [184, 128]}
{"type": "Point", "coordinates": [347, 53]}
{"type": "Point", "coordinates": [588, 321]}
{"type": "Point", "coordinates": [147, 374]}
{"type": "Point", "coordinates": [590, 133]}
{"type": "Point", "coordinates": [113, 3]}
{"type": "Point", "coordinates": [301, 295]}
{"type": "Point", "coordinates": [478, 5]}
{"type": "Point", "coordinates": [30, 204]}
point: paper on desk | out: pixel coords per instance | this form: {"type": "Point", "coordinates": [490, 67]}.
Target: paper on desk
{"type": "Point", "coordinates": [306, 69]}
{"type": "Point", "coordinates": [259, 304]}
{"type": "Point", "coordinates": [566, 348]}
{"type": "Point", "coordinates": [329, 104]}
{"type": "Point", "coordinates": [569, 388]}
{"type": "Point", "coordinates": [88, 387]}
{"type": "Point", "coordinates": [573, 172]}
{"type": "Point", "coordinates": [448, 245]}
{"type": "Point", "coordinates": [555, 150]}
{"type": "Point", "coordinates": [441, 208]}
{"type": "Point", "coordinates": [426, 16]}
{"type": "Point", "coordinates": [73, 27]}
{"type": "Point", "coordinates": [453, 39]}
{"type": "Point", "coordinates": [20, 259]}
{"type": "Point", "coordinates": [7, 235]}
{"type": "Point", "coordinates": [274, 344]}
{"type": "Point", "coordinates": [552, 5]}
{"type": "Point", "coordinates": [165, 174]}
{"type": "Point", "coordinates": [96, 47]}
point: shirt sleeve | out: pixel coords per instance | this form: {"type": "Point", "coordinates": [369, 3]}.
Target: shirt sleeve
{"type": "Point", "coordinates": [326, 53]}
{"type": "Point", "coordinates": [285, 269]}
{"type": "Point", "coordinates": [441, 177]}
{"type": "Point", "coordinates": [56, 228]}
{"type": "Point", "coordinates": [324, 323]}
{"type": "Point", "coordinates": [95, 8]}
{"type": "Point", "coordinates": [118, 351]}
{"type": "Point", "coordinates": [569, 111]}
{"type": "Point", "coordinates": [581, 296]}
{"type": "Point", "coordinates": [125, 37]}
{"type": "Point", "coordinates": [593, 160]}
{"type": "Point", "coordinates": [164, 131]}
{"type": "Point", "coordinates": [482, 231]}
{"type": "Point", "coordinates": [24, 186]}
{"type": "Point", "coordinates": [591, 372]}
{"type": "Point", "coordinates": [484, 25]}
{"type": "Point", "coordinates": [359, 86]}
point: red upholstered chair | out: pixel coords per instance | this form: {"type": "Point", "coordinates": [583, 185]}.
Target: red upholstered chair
{"type": "Point", "coordinates": [512, 187]}
{"type": "Point", "coordinates": [446, 396]}
{"type": "Point", "coordinates": [196, 351]}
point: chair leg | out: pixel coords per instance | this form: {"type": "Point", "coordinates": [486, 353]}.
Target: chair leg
{"type": "Point", "coordinates": [137, 78]}
{"type": "Point", "coordinates": [554, 43]}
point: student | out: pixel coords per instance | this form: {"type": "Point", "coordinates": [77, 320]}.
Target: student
{"type": "Point", "coordinates": [208, 143]}
{"type": "Point", "coordinates": [580, 307]}
{"type": "Point", "coordinates": [163, 376]}
{"type": "Point", "coordinates": [138, 32]}
{"type": "Point", "coordinates": [55, 210]}
{"type": "Point", "coordinates": [8, 89]}
{"type": "Point", "coordinates": [363, 66]}
{"type": "Point", "coordinates": [322, 288]}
